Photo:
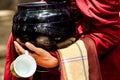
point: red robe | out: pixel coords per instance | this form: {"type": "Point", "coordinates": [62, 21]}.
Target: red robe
{"type": "Point", "coordinates": [101, 24]}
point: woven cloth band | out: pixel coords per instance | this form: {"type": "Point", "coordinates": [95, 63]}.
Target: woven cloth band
{"type": "Point", "coordinates": [74, 62]}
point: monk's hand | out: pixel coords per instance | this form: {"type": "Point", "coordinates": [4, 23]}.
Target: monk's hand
{"type": "Point", "coordinates": [43, 58]}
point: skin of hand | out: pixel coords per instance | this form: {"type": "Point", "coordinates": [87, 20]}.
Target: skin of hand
{"type": "Point", "coordinates": [43, 58]}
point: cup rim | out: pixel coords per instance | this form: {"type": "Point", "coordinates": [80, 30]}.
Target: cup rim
{"type": "Point", "coordinates": [33, 69]}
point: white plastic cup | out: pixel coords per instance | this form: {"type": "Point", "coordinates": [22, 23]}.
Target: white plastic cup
{"type": "Point", "coordinates": [23, 66]}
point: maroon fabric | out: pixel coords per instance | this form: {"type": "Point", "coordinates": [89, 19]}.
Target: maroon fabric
{"type": "Point", "coordinates": [94, 67]}
{"type": "Point", "coordinates": [101, 23]}
{"type": "Point", "coordinates": [10, 56]}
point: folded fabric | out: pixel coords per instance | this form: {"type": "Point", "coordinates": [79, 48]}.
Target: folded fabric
{"type": "Point", "coordinates": [74, 62]}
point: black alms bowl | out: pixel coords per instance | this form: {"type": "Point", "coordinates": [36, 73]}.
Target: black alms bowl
{"type": "Point", "coordinates": [43, 23]}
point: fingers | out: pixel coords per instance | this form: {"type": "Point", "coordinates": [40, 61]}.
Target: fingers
{"type": "Point", "coordinates": [41, 56]}
{"type": "Point", "coordinates": [18, 48]}
{"type": "Point", "coordinates": [37, 50]}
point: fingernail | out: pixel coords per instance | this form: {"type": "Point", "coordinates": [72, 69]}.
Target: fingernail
{"type": "Point", "coordinates": [14, 42]}
{"type": "Point", "coordinates": [27, 43]}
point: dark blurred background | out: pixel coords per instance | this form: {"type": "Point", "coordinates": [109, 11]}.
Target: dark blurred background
{"type": "Point", "coordinates": [7, 11]}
